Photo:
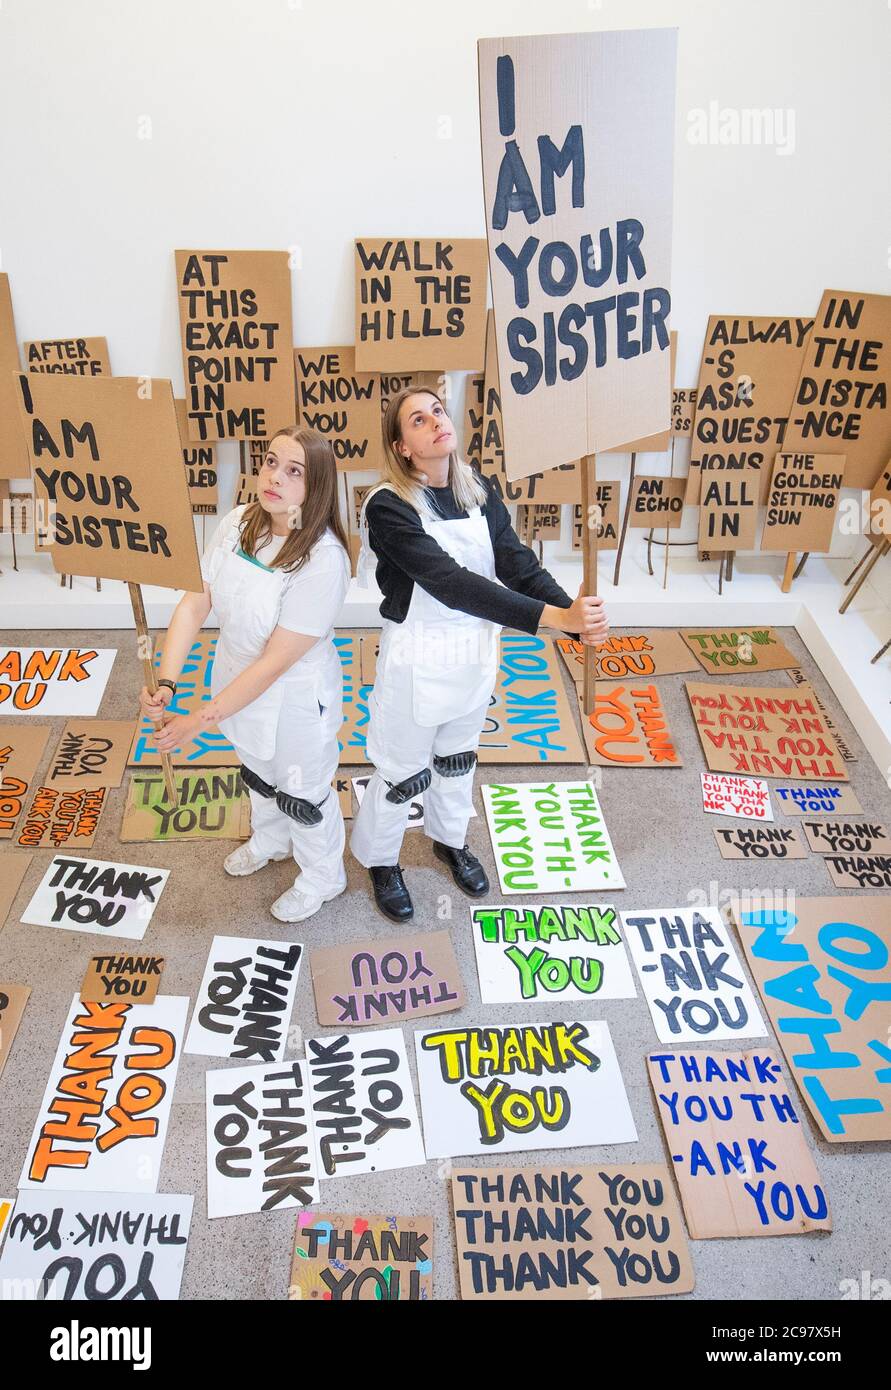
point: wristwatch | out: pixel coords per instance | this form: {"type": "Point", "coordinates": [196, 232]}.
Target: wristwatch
{"type": "Point", "coordinates": [171, 685]}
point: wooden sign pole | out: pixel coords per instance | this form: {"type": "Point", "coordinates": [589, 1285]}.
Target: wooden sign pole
{"type": "Point", "coordinates": [151, 680]}
{"type": "Point", "coordinates": [789, 572]}
{"type": "Point", "coordinates": [590, 536]}
{"type": "Point", "coordinates": [878, 552]}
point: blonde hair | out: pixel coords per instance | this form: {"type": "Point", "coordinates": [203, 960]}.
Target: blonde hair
{"type": "Point", "coordinates": [318, 514]}
{"type": "Point", "coordinates": [399, 474]}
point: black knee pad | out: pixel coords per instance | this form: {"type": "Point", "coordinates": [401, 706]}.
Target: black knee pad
{"type": "Point", "coordinates": [455, 764]}
{"type": "Point", "coordinates": [255, 783]}
{"type": "Point", "coordinates": [302, 811]}
{"type": "Point", "coordinates": [400, 792]}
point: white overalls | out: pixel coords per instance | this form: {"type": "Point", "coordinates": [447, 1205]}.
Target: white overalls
{"type": "Point", "coordinates": [436, 672]}
{"type": "Point", "coordinates": [288, 735]}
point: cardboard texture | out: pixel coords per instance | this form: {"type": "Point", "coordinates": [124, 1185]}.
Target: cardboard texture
{"type": "Point", "coordinates": [655, 443]}
{"type": "Point", "coordinates": [352, 1258]}
{"type": "Point", "coordinates": [747, 376]}
{"type": "Point", "coordinates": [13, 448]}
{"type": "Point", "coordinates": [628, 727]}
{"type": "Point", "coordinates": [91, 753]}
{"type": "Point", "coordinates": [817, 798]}
{"type": "Point", "coordinates": [629, 655]}
{"type": "Point", "coordinates": [607, 494]}
{"type": "Point", "coordinates": [538, 521]}
{"type": "Point", "coordinates": [859, 870]}
{"type": "Point", "coordinates": [121, 976]}
{"type": "Point", "coordinates": [341, 403]}
{"type": "Point", "coordinates": [690, 975]}
{"type": "Point", "coordinates": [67, 356]}
{"type": "Point", "coordinates": [683, 409]}
{"type": "Point", "coordinates": [569, 1233]}
{"type": "Point", "coordinates": [209, 748]}
{"type": "Point", "coordinates": [53, 680]}
{"type": "Point", "coordinates": [200, 464]}
{"type": "Point", "coordinates": [822, 968]}
{"type": "Point", "coordinates": [91, 895]}
{"type": "Point", "coordinates": [846, 836]}
{"type": "Point", "coordinates": [212, 804]}
{"type": "Point", "coordinates": [760, 842]}
{"type": "Point", "coordinates": [736, 796]}
{"type": "Point", "coordinates": [62, 816]}
{"type": "Point", "coordinates": [384, 981]}
{"type": "Point", "coordinates": [798, 677]}
{"type": "Point", "coordinates": [235, 320]}
{"type": "Point", "coordinates": [420, 303]}
{"type": "Point", "coordinates": [123, 1058]}
{"type": "Point", "coordinates": [728, 1117]}
{"type": "Point", "coordinates": [21, 749]}
{"type": "Point", "coordinates": [13, 868]}
{"type": "Point", "coordinates": [13, 999]}
{"type": "Point", "coordinates": [581, 297]}
{"type": "Point", "coordinates": [656, 501]}
{"type": "Point", "coordinates": [802, 502]}
{"type": "Point", "coordinates": [840, 398]}
{"type": "Point", "coordinates": [550, 838]}
{"type": "Point", "coordinates": [764, 730]}
{"type": "Point", "coordinates": [541, 954]}
{"type": "Point", "coordinates": [519, 1087]}
{"type": "Point", "coordinates": [728, 510]}
{"type": "Point", "coordinates": [245, 1001]}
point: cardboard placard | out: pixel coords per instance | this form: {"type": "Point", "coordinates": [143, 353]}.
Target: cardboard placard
{"type": "Point", "coordinates": [763, 730]}
{"type": "Point", "coordinates": [728, 1119]}
{"type": "Point", "coordinates": [607, 493]}
{"type": "Point", "coordinates": [363, 1103]}
{"type": "Point", "coordinates": [736, 796]}
{"type": "Point", "coordinates": [122, 976]}
{"type": "Point", "coordinates": [690, 974]}
{"type": "Point", "coordinates": [91, 753]}
{"type": "Point", "coordinates": [760, 842]}
{"type": "Point", "coordinates": [550, 838]}
{"type": "Point", "coordinates": [540, 954]}
{"type": "Point", "coordinates": [261, 1155]}
{"type": "Point", "coordinates": [21, 749]}
{"type": "Point", "coordinates": [68, 356]}
{"type": "Point", "coordinates": [817, 799]}
{"type": "Point", "coordinates": [103, 1248]}
{"type": "Point", "coordinates": [107, 465]}
{"type": "Point", "coordinates": [62, 816]}
{"type": "Point", "coordinates": [13, 868]}
{"type": "Point", "coordinates": [629, 655]}
{"type": "Point", "coordinates": [840, 401]}
{"type": "Point", "coordinates": [846, 836]}
{"type": "Point", "coordinates": [235, 319]}
{"type": "Point", "coordinates": [13, 999]}
{"type": "Point", "coordinates": [576, 130]}
{"type": "Point", "coordinates": [520, 1086]}
{"type": "Point", "coordinates": [384, 981]}
{"type": "Point", "coordinates": [420, 303]}
{"type": "Point", "coordinates": [342, 404]}
{"type": "Point", "coordinates": [655, 443]}
{"type": "Point", "coordinates": [210, 747]}
{"type": "Point", "coordinates": [212, 804]}
{"type": "Point", "coordinates": [352, 1258]}
{"type": "Point", "coordinates": [656, 501]}
{"type": "Point", "coordinates": [797, 676]}
{"type": "Point", "coordinates": [538, 521]}
{"type": "Point", "coordinates": [534, 1233]}
{"type": "Point", "coordinates": [53, 680]}
{"type": "Point", "coordinates": [802, 502]}
{"type": "Point", "coordinates": [14, 449]}
{"type": "Point", "coordinates": [244, 1004]}
{"type": "Point", "coordinates": [726, 648]}
{"type": "Point", "coordinates": [120, 1060]}
{"type": "Point", "coordinates": [91, 895]}
{"type": "Point", "coordinates": [474, 404]}
{"type": "Point", "coordinates": [859, 870]}
{"type": "Point", "coordinates": [822, 968]}
{"type": "Point", "coordinates": [683, 409]}
{"type": "Point", "coordinates": [628, 727]}
{"type": "Point", "coordinates": [728, 510]}
{"type": "Point", "coordinates": [200, 465]}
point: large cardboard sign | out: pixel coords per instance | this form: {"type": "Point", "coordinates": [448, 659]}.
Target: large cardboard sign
{"type": "Point", "coordinates": [62, 816]}
{"type": "Point", "coordinates": [122, 976]}
{"type": "Point", "coordinates": [740, 1158]}
{"type": "Point", "coordinates": [691, 975]}
{"type": "Point", "coordinates": [91, 753]}
{"type": "Point", "coordinates": [209, 748]}
{"type": "Point", "coordinates": [420, 304]}
{"type": "Point", "coordinates": [384, 981]}
{"type": "Point", "coordinates": [570, 1233]}
{"type": "Point", "coordinates": [628, 727]}
{"type": "Point", "coordinates": [629, 655]}
{"type": "Point", "coordinates": [13, 449]}
{"type": "Point", "coordinates": [813, 799]}
{"type": "Point", "coordinates": [53, 680]}
{"type": "Point", "coordinates": [260, 1150]}
{"type": "Point", "coordinates": [200, 465]}
{"type": "Point", "coordinates": [68, 356]}
{"type": "Point", "coordinates": [540, 954]}
{"type": "Point", "coordinates": [859, 870]}
{"type": "Point", "coordinates": [244, 1004]}
{"type": "Point", "coordinates": [13, 999]}
{"type": "Point", "coordinates": [760, 842]}
{"type": "Point", "coordinates": [728, 510]}
{"type": "Point", "coordinates": [823, 972]}
{"type": "Point", "coordinates": [762, 730]}
{"type": "Point", "coordinates": [341, 403]}
{"type": "Point", "coordinates": [656, 501]}
{"type": "Point", "coordinates": [352, 1258]}
{"type": "Point", "coordinates": [577, 172]}
{"type": "Point", "coordinates": [484, 1090]}
{"type": "Point", "coordinates": [13, 868]}
{"type": "Point", "coordinates": [107, 465]}
{"type": "Point", "coordinates": [90, 895]}
{"type": "Point", "coordinates": [736, 796]}
{"type": "Point", "coordinates": [840, 404]}
{"type": "Point", "coordinates": [802, 502]}
{"type": "Point", "coordinates": [550, 837]}
{"type": "Point", "coordinates": [212, 805]}
{"type": "Point", "coordinates": [235, 318]}
{"type": "Point", "coordinates": [21, 749]}
{"type": "Point", "coordinates": [96, 1247]}
{"type": "Point", "coordinates": [103, 1120]}
{"type": "Point", "coordinates": [846, 836]}
{"type": "Point", "coordinates": [363, 1103]}
{"type": "Point", "coordinates": [728, 648]}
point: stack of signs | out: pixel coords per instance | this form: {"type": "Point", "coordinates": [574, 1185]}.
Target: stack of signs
{"type": "Point", "coordinates": [766, 731]}
{"type": "Point", "coordinates": [629, 655]}
{"type": "Point", "coordinates": [482, 1090]}
{"type": "Point", "coordinates": [21, 748]}
{"type": "Point", "coordinates": [740, 1158]}
{"type": "Point", "coordinates": [208, 748]}
{"type": "Point", "coordinates": [736, 796]}
{"type": "Point", "coordinates": [386, 980]}
{"type": "Point", "coordinates": [244, 1004]}
{"type": "Point", "coordinates": [53, 680]}
{"type": "Point", "coordinates": [569, 1233]}
{"type": "Point", "coordinates": [363, 1103]}
{"type": "Point", "coordinates": [857, 853]}
{"type": "Point", "coordinates": [628, 727]}
{"type": "Point", "coordinates": [691, 975]}
{"type": "Point", "coordinates": [122, 977]}
{"type": "Point", "coordinates": [13, 999]}
{"type": "Point", "coordinates": [94, 1247]}
{"type": "Point", "coordinates": [813, 799]}
{"type": "Point", "coordinates": [341, 404]}
{"type": "Point", "coordinates": [540, 954]}
{"type": "Point", "coordinates": [351, 1258]}
{"type": "Point", "coordinates": [550, 838]}
{"type": "Point", "coordinates": [822, 968]}
{"type": "Point", "coordinates": [93, 896]}
{"type": "Point", "coordinates": [211, 804]}
{"type": "Point", "coordinates": [90, 759]}
{"type": "Point", "coordinates": [112, 1085]}
{"type": "Point", "coordinates": [755, 648]}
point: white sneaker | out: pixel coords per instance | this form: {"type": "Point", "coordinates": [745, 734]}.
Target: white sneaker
{"type": "Point", "coordinates": [295, 906]}
{"type": "Point", "coordinates": [243, 861]}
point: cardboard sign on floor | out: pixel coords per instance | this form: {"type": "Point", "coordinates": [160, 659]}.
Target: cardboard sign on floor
{"type": "Point", "coordinates": [550, 837]}
{"type": "Point", "coordinates": [133, 978]}
{"type": "Point", "coordinates": [520, 1235]}
{"type": "Point", "coordinates": [813, 799]}
{"type": "Point", "coordinates": [846, 836]}
{"type": "Point", "coordinates": [766, 731]}
{"type": "Point", "coordinates": [630, 655]}
{"type": "Point", "coordinates": [859, 870]}
{"type": "Point", "coordinates": [91, 753]}
{"type": "Point", "coordinates": [728, 1119]}
{"type": "Point", "coordinates": [797, 676]}
{"type": "Point", "coordinates": [13, 999]}
{"type": "Point", "coordinates": [384, 981]}
{"type": "Point", "coordinates": [245, 999]}
{"type": "Point", "coordinates": [543, 954]}
{"type": "Point", "coordinates": [628, 727]}
{"type": "Point", "coordinates": [760, 842]}
{"type": "Point", "coordinates": [209, 748]}
{"type": "Point", "coordinates": [212, 804]}
{"type": "Point", "coordinates": [13, 868]}
{"type": "Point", "coordinates": [58, 817]}
{"type": "Point", "coordinates": [723, 648]}
{"type": "Point", "coordinates": [21, 749]}
{"type": "Point", "coordinates": [53, 680]}
{"type": "Point", "coordinates": [736, 796]}
{"type": "Point", "coordinates": [91, 895]}
{"type": "Point", "coordinates": [362, 1258]}
{"type": "Point", "coordinates": [822, 968]}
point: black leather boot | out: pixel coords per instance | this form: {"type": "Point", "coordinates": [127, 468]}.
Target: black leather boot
{"type": "Point", "coordinates": [390, 892]}
{"type": "Point", "coordinates": [467, 871]}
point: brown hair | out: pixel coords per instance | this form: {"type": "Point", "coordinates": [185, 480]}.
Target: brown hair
{"type": "Point", "coordinates": [318, 514]}
{"type": "Point", "coordinates": [405, 480]}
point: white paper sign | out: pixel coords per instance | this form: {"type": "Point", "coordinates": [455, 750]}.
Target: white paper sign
{"type": "Point", "coordinates": [527, 954]}
{"type": "Point", "coordinates": [94, 1246]}
{"type": "Point", "coordinates": [527, 1086]}
{"type": "Point", "coordinates": [94, 896]}
{"type": "Point", "coordinates": [245, 1000]}
{"type": "Point", "coordinates": [261, 1154]}
{"type": "Point", "coordinates": [691, 975]}
{"type": "Point", "coordinates": [103, 1120]}
{"type": "Point", "coordinates": [363, 1103]}
{"type": "Point", "coordinates": [53, 680]}
{"type": "Point", "coordinates": [745, 797]}
{"type": "Point", "coordinates": [550, 837]}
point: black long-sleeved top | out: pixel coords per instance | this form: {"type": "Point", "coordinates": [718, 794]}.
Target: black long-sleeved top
{"type": "Point", "coordinates": [406, 556]}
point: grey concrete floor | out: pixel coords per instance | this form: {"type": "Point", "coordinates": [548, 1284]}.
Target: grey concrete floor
{"type": "Point", "coordinates": [667, 851]}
